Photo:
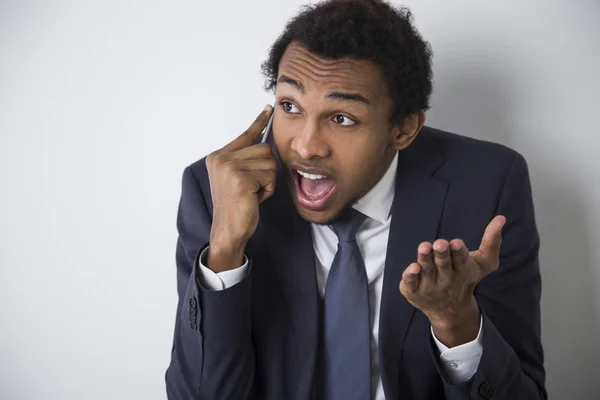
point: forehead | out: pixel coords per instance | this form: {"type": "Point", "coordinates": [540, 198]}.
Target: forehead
{"type": "Point", "coordinates": [315, 72]}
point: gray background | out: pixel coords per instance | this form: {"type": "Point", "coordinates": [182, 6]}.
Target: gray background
{"type": "Point", "coordinates": [103, 104]}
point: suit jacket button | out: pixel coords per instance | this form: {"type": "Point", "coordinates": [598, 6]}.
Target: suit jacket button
{"type": "Point", "coordinates": [193, 308]}
{"type": "Point", "coordinates": [193, 303]}
{"type": "Point", "coordinates": [193, 325]}
{"type": "Point", "coordinates": [486, 391]}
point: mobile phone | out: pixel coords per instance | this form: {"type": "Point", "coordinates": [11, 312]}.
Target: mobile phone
{"type": "Point", "coordinates": [268, 128]}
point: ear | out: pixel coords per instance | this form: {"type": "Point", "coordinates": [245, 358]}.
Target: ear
{"type": "Point", "coordinates": [405, 133]}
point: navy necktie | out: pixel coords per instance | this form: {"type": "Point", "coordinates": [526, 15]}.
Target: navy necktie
{"type": "Point", "coordinates": [346, 362]}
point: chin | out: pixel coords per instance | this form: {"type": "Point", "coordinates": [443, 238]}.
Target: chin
{"type": "Point", "coordinates": [320, 217]}
{"type": "Point", "coordinates": [313, 218]}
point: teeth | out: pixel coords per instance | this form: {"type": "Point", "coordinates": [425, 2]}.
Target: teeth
{"type": "Point", "coordinates": [311, 176]}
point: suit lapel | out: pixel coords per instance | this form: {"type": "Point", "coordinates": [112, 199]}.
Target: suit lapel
{"type": "Point", "coordinates": [416, 212]}
{"type": "Point", "coordinates": [289, 241]}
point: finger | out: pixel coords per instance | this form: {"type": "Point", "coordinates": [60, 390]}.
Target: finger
{"type": "Point", "coordinates": [410, 279]}
{"type": "Point", "coordinates": [251, 134]}
{"type": "Point", "coordinates": [442, 260]}
{"type": "Point", "coordinates": [261, 150]}
{"type": "Point", "coordinates": [425, 260]}
{"type": "Point", "coordinates": [460, 255]}
{"type": "Point", "coordinates": [489, 248]}
{"type": "Point", "coordinates": [255, 164]}
{"type": "Point", "coordinates": [264, 183]}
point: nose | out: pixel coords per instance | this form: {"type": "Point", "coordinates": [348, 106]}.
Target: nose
{"type": "Point", "coordinates": [309, 142]}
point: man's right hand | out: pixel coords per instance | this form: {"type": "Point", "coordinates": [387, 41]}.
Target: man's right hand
{"type": "Point", "coordinates": [242, 175]}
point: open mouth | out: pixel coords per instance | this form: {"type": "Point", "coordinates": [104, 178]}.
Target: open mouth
{"type": "Point", "coordinates": [313, 191]}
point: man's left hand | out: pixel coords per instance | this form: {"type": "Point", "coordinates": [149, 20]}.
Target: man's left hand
{"type": "Point", "coordinates": [442, 281]}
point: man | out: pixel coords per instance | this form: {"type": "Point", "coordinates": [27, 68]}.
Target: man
{"type": "Point", "coordinates": [358, 253]}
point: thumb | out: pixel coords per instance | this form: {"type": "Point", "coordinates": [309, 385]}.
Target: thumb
{"type": "Point", "coordinates": [410, 279]}
{"type": "Point", "coordinates": [250, 135]}
{"type": "Point", "coordinates": [489, 249]}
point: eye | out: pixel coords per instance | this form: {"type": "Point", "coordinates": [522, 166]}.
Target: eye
{"type": "Point", "coordinates": [289, 107]}
{"type": "Point", "coordinates": [344, 120]}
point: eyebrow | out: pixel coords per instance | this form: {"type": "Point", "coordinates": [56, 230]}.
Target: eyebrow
{"type": "Point", "coordinates": [333, 95]}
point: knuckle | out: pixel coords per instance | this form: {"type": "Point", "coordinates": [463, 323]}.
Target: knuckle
{"type": "Point", "coordinates": [263, 149]}
{"type": "Point", "coordinates": [210, 159]}
{"type": "Point", "coordinates": [237, 181]}
{"type": "Point", "coordinates": [216, 158]}
{"type": "Point", "coordinates": [228, 169]}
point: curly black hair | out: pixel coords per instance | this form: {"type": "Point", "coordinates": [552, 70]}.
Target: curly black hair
{"type": "Point", "coordinates": [367, 30]}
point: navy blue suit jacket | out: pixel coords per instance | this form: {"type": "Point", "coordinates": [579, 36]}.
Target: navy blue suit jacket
{"type": "Point", "coordinates": [259, 338]}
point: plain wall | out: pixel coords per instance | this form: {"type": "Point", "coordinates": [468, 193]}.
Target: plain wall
{"type": "Point", "coordinates": [103, 104]}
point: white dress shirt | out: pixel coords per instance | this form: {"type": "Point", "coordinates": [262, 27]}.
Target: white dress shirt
{"type": "Point", "coordinates": [461, 362]}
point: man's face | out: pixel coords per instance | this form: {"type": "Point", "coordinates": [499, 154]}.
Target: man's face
{"type": "Point", "coordinates": [332, 131]}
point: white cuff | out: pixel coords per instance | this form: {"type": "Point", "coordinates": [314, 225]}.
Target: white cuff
{"type": "Point", "coordinates": [461, 362]}
{"type": "Point", "coordinates": [211, 280]}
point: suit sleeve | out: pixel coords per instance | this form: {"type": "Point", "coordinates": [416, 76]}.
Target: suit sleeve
{"type": "Point", "coordinates": [212, 355]}
{"type": "Point", "coordinates": [511, 365]}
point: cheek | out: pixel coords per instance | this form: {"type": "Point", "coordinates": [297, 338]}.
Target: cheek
{"type": "Point", "coordinates": [359, 161]}
{"type": "Point", "coordinates": [278, 134]}
{"type": "Point", "coordinates": [283, 130]}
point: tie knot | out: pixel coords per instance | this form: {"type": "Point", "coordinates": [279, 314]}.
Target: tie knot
{"type": "Point", "coordinates": [346, 226]}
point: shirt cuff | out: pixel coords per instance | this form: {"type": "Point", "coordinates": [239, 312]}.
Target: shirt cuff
{"type": "Point", "coordinates": [461, 362]}
{"type": "Point", "coordinates": [211, 280]}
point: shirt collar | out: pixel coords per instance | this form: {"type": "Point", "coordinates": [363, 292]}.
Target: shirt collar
{"type": "Point", "coordinates": [377, 202]}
